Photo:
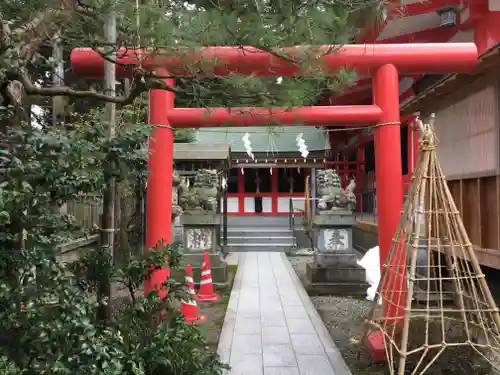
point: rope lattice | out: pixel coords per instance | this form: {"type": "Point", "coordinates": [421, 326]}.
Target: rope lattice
{"type": "Point", "coordinates": [434, 309]}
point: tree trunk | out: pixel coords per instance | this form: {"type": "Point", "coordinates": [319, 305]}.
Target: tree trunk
{"type": "Point", "coordinates": [108, 205]}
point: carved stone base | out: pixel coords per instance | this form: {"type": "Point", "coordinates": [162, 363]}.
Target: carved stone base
{"type": "Point", "coordinates": [335, 269]}
{"type": "Point", "coordinates": [336, 260]}
{"type": "Point", "coordinates": [336, 274]}
{"type": "Point", "coordinates": [343, 289]}
{"type": "Point", "coordinates": [200, 231]}
{"type": "Point", "coordinates": [196, 259]}
{"type": "Point", "coordinates": [218, 266]}
{"type": "Point", "coordinates": [316, 273]}
{"type": "Point", "coordinates": [220, 275]}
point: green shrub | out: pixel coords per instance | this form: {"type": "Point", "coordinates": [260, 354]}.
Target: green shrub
{"type": "Point", "coordinates": [48, 320]}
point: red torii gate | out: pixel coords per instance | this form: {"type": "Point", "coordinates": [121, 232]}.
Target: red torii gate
{"type": "Point", "coordinates": [384, 62]}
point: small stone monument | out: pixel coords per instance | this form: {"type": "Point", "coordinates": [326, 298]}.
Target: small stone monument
{"type": "Point", "coordinates": [200, 221]}
{"type": "Point", "coordinates": [335, 269]}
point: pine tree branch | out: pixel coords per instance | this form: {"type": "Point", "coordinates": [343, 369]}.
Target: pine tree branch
{"type": "Point", "coordinates": [139, 85]}
{"type": "Point", "coordinates": [44, 27]}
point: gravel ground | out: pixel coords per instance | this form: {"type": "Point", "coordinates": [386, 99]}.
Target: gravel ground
{"type": "Point", "coordinates": [344, 318]}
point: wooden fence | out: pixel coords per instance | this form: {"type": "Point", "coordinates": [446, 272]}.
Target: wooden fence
{"type": "Point", "coordinates": [87, 213]}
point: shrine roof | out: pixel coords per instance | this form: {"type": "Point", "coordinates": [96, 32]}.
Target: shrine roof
{"type": "Point", "coordinates": [197, 151]}
{"type": "Point", "coordinates": [265, 139]}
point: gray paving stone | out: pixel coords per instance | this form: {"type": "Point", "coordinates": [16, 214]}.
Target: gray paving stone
{"type": "Point", "coordinates": [271, 291]}
{"type": "Point", "coordinates": [273, 319]}
{"type": "Point", "coordinates": [275, 335]}
{"type": "Point", "coordinates": [305, 343]}
{"type": "Point", "coordinates": [291, 301]}
{"type": "Point", "coordinates": [295, 312]}
{"type": "Point", "coordinates": [281, 371]}
{"type": "Point", "coordinates": [246, 364]}
{"type": "Point", "coordinates": [299, 325]}
{"type": "Point", "coordinates": [278, 355]}
{"type": "Point", "coordinates": [247, 344]}
{"type": "Point", "coordinates": [269, 328]}
{"type": "Point", "coordinates": [270, 301]}
{"type": "Point", "coordinates": [249, 301]}
{"type": "Point", "coordinates": [249, 313]}
{"type": "Point", "coordinates": [314, 364]}
{"type": "Point", "coordinates": [250, 282]}
{"type": "Point", "coordinates": [247, 325]}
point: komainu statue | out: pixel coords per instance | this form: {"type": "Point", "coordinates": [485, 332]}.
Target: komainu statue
{"type": "Point", "coordinates": [330, 193]}
{"type": "Point", "coordinates": [202, 194]}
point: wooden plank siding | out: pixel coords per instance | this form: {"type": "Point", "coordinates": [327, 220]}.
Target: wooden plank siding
{"type": "Point", "coordinates": [478, 200]}
{"type": "Point", "coordinates": [468, 135]}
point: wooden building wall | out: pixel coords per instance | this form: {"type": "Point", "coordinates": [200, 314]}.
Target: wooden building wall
{"type": "Point", "coordinates": [469, 144]}
{"type": "Point", "coordinates": [468, 136]}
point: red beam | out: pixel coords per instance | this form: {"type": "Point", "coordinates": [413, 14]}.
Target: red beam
{"type": "Point", "coordinates": [439, 58]}
{"type": "Point", "coordinates": [250, 116]}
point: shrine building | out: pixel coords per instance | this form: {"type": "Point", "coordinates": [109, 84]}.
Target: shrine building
{"type": "Point", "coordinates": [263, 181]}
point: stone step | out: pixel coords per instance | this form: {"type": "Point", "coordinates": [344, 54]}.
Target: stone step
{"type": "Point", "coordinates": [246, 247]}
{"type": "Point", "coordinates": [259, 232]}
{"type": "Point", "coordinates": [263, 228]}
{"type": "Point", "coordinates": [258, 221]}
{"type": "Point", "coordinates": [258, 239]}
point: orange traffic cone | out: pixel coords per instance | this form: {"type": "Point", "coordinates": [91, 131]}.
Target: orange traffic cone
{"type": "Point", "coordinates": [190, 308]}
{"type": "Point", "coordinates": [206, 292]}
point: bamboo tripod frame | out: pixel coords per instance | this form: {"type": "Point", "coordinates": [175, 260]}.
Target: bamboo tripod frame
{"type": "Point", "coordinates": [432, 258]}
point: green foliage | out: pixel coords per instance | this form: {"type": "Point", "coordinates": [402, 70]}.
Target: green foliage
{"type": "Point", "coordinates": [137, 113]}
{"type": "Point", "coordinates": [48, 321]}
{"type": "Point", "coordinates": [181, 28]}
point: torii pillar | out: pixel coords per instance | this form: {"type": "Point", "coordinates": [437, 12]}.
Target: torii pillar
{"type": "Point", "coordinates": [159, 188]}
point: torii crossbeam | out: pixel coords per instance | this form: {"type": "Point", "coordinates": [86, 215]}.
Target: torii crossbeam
{"type": "Point", "coordinates": [384, 62]}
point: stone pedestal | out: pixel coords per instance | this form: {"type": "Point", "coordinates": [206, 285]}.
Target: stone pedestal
{"type": "Point", "coordinates": [199, 235]}
{"type": "Point", "coordinates": [200, 231]}
{"type": "Point", "coordinates": [335, 269]}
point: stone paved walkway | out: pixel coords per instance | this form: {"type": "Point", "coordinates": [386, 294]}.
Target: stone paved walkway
{"type": "Point", "coordinates": [271, 326]}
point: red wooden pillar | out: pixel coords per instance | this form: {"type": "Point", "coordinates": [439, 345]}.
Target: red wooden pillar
{"type": "Point", "coordinates": [389, 180]}
{"type": "Point", "coordinates": [274, 189]}
{"type": "Point", "coordinates": [159, 188]}
{"type": "Point", "coordinates": [389, 190]}
{"type": "Point", "coordinates": [241, 191]}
